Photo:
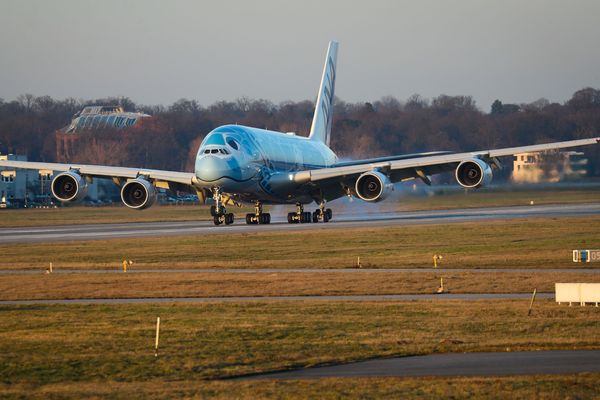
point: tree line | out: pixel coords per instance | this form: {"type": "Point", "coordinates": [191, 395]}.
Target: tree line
{"type": "Point", "coordinates": [170, 139]}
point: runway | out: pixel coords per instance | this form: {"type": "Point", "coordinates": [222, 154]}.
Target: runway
{"type": "Point", "coordinates": [238, 299]}
{"type": "Point", "coordinates": [340, 221]}
{"type": "Point", "coordinates": [455, 364]}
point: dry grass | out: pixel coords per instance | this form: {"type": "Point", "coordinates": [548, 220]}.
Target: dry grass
{"type": "Point", "coordinates": [535, 242]}
{"type": "Point", "coordinates": [581, 386]}
{"type": "Point", "coordinates": [145, 285]}
{"type": "Point", "coordinates": [93, 344]}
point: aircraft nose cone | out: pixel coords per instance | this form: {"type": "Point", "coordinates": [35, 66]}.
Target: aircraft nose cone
{"type": "Point", "coordinates": [211, 168]}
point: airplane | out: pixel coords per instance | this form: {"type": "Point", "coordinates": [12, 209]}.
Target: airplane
{"type": "Point", "coordinates": [238, 164]}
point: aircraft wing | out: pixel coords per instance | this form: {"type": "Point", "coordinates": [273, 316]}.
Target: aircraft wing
{"type": "Point", "coordinates": [101, 171]}
{"type": "Point", "coordinates": [422, 166]}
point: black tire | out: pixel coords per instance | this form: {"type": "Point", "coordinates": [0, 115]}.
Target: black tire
{"type": "Point", "coordinates": [249, 219]}
{"type": "Point", "coordinates": [229, 219]}
{"type": "Point", "coordinates": [329, 213]}
{"type": "Point", "coordinates": [315, 217]}
{"type": "Point", "coordinates": [217, 220]}
{"type": "Point", "coordinates": [213, 211]}
{"type": "Point", "coordinates": [325, 217]}
{"type": "Point", "coordinates": [267, 218]}
{"type": "Point", "coordinates": [291, 218]}
{"type": "Point", "coordinates": [261, 219]}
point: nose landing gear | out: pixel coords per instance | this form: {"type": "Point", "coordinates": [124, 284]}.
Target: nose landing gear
{"type": "Point", "coordinates": [300, 216]}
{"type": "Point", "coordinates": [258, 217]}
{"type": "Point", "coordinates": [218, 211]}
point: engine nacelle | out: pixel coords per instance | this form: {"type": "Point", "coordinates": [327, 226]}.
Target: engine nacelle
{"type": "Point", "coordinates": [138, 194]}
{"type": "Point", "coordinates": [373, 186]}
{"type": "Point", "coordinates": [69, 186]}
{"type": "Point", "coordinates": [473, 173]}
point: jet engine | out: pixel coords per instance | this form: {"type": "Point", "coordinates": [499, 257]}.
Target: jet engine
{"type": "Point", "coordinates": [69, 186]}
{"type": "Point", "coordinates": [473, 173]}
{"type": "Point", "coordinates": [138, 194]}
{"type": "Point", "coordinates": [373, 186]}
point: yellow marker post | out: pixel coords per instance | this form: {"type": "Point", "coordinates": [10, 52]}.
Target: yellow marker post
{"type": "Point", "coordinates": [436, 258]}
{"type": "Point", "coordinates": [124, 265]}
{"type": "Point", "coordinates": [358, 264]}
{"type": "Point", "coordinates": [50, 267]}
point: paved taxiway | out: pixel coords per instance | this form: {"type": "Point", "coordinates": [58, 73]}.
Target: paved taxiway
{"type": "Point", "coordinates": [340, 221]}
{"type": "Point", "coordinates": [237, 299]}
{"type": "Point", "coordinates": [456, 364]}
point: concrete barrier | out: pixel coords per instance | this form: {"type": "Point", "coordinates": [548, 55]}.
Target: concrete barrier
{"type": "Point", "coordinates": [581, 293]}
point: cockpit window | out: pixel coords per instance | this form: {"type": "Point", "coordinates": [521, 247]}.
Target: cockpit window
{"type": "Point", "coordinates": [214, 151]}
{"type": "Point", "coordinates": [214, 139]}
{"type": "Point", "coordinates": [207, 151]}
{"type": "Point", "coordinates": [234, 145]}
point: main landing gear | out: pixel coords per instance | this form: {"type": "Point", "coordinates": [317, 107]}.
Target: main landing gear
{"type": "Point", "coordinates": [301, 216]}
{"type": "Point", "coordinates": [258, 217]}
{"type": "Point", "coordinates": [218, 211]}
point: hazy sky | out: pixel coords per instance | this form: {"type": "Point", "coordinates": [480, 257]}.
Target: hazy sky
{"type": "Point", "coordinates": [156, 52]}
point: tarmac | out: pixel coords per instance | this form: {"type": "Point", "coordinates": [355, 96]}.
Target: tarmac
{"type": "Point", "coordinates": [454, 364]}
{"type": "Point", "coordinates": [341, 221]}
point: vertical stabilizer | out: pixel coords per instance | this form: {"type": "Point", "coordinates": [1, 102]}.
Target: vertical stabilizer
{"type": "Point", "coordinates": [321, 124]}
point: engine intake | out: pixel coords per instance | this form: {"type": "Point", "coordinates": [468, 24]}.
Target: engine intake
{"type": "Point", "coordinates": [138, 194]}
{"type": "Point", "coordinates": [373, 186]}
{"type": "Point", "coordinates": [69, 186]}
{"type": "Point", "coordinates": [473, 173]}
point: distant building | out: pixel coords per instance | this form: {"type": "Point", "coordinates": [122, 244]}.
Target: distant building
{"type": "Point", "coordinates": [22, 186]}
{"type": "Point", "coordinates": [549, 167]}
{"type": "Point", "coordinates": [90, 118]}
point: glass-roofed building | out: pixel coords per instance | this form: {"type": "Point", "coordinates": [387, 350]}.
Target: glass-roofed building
{"type": "Point", "coordinates": [89, 119]}
{"type": "Point", "coordinates": [95, 117]}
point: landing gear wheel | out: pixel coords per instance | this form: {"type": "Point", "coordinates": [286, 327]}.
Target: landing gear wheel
{"type": "Point", "coordinates": [218, 219]}
{"type": "Point", "coordinates": [307, 216]}
{"type": "Point", "coordinates": [315, 217]}
{"type": "Point", "coordinates": [325, 217]}
{"type": "Point", "coordinates": [249, 219]}
{"type": "Point", "coordinates": [228, 218]}
{"type": "Point", "coordinates": [213, 211]}
{"type": "Point", "coordinates": [329, 213]}
{"type": "Point", "coordinates": [291, 218]}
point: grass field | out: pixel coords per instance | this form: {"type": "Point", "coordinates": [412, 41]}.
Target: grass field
{"type": "Point", "coordinates": [535, 242]}
{"type": "Point", "coordinates": [106, 351]}
{"type": "Point", "coordinates": [99, 349]}
{"type": "Point", "coordinates": [147, 285]}
{"type": "Point", "coordinates": [403, 202]}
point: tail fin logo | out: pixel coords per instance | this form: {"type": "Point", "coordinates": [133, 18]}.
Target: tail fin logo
{"type": "Point", "coordinates": [322, 119]}
{"type": "Point", "coordinates": [328, 93]}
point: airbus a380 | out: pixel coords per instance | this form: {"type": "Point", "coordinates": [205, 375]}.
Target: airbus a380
{"type": "Point", "coordinates": [238, 164]}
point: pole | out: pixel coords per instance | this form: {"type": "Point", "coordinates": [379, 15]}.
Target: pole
{"type": "Point", "coordinates": [50, 267]}
{"type": "Point", "coordinates": [157, 334]}
{"type": "Point", "coordinates": [532, 299]}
